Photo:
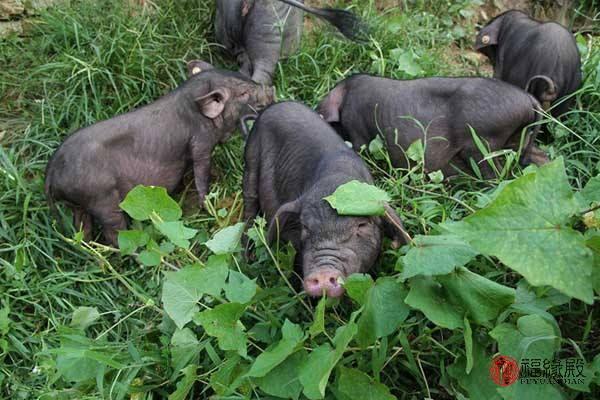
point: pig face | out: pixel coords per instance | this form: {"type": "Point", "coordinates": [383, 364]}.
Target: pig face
{"type": "Point", "coordinates": [229, 95]}
{"type": "Point", "coordinates": [332, 246]}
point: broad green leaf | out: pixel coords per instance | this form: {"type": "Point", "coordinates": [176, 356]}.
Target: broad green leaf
{"type": "Point", "coordinates": [436, 255]}
{"type": "Point", "coordinates": [384, 311]}
{"type": "Point", "coordinates": [591, 191]}
{"type": "Point", "coordinates": [78, 359]}
{"type": "Point", "coordinates": [185, 348]}
{"type": "Point", "coordinates": [185, 384]}
{"type": "Point", "coordinates": [525, 227]}
{"type": "Point", "coordinates": [315, 372]}
{"type": "Point", "coordinates": [150, 258]}
{"type": "Point", "coordinates": [240, 288]}
{"type": "Point", "coordinates": [183, 289]}
{"type": "Point", "coordinates": [593, 243]}
{"type": "Point", "coordinates": [130, 241]}
{"type": "Point", "coordinates": [416, 151]}
{"type": "Point", "coordinates": [354, 384]}
{"type": "Point", "coordinates": [227, 240]}
{"type": "Point", "coordinates": [284, 380]}
{"type": "Point", "coordinates": [406, 61]}
{"type": "Point", "coordinates": [449, 298]}
{"type": "Point", "coordinates": [477, 383]}
{"type": "Point", "coordinates": [230, 376]}
{"type": "Point", "coordinates": [176, 232]}
{"type": "Point", "coordinates": [358, 198]}
{"type": "Point", "coordinates": [142, 201]}
{"type": "Point", "coordinates": [468, 335]}
{"type": "Point", "coordinates": [84, 317]}
{"type": "Point", "coordinates": [357, 287]}
{"type": "Point", "coordinates": [272, 357]}
{"type": "Point", "coordinates": [532, 338]}
{"type": "Point", "coordinates": [528, 302]}
{"type": "Point", "coordinates": [318, 325]}
{"type": "Point", "coordinates": [222, 322]}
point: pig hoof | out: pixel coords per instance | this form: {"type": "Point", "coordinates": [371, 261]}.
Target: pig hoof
{"type": "Point", "coordinates": [324, 281]}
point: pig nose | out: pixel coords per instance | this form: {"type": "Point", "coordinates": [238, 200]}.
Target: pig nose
{"type": "Point", "coordinates": [325, 280]}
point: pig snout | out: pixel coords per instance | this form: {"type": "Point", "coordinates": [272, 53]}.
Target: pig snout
{"type": "Point", "coordinates": [267, 95]}
{"type": "Point", "coordinates": [324, 281]}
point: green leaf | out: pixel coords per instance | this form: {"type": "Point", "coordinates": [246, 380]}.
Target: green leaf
{"type": "Point", "coordinates": [183, 289]}
{"type": "Point", "coordinates": [591, 191]}
{"type": "Point", "coordinates": [271, 358]}
{"type": "Point", "coordinates": [384, 311]}
{"type": "Point", "coordinates": [230, 376]}
{"type": "Point", "coordinates": [150, 258]}
{"type": "Point", "coordinates": [406, 61]}
{"type": "Point", "coordinates": [185, 384]}
{"type": "Point", "coordinates": [533, 338]}
{"type": "Point", "coordinates": [142, 201]}
{"type": "Point", "coordinates": [78, 359]}
{"type": "Point", "coordinates": [436, 255]}
{"type": "Point", "coordinates": [416, 151]}
{"type": "Point", "coordinates": [468, 335]}
{"type": "Point", "coordinates": [284, 380]}
{"type": "Point", "coordinates": [185, 348]}
{"type": "Point", "coordinates": [477, 383]}
{"type": "Point", "coordinates": [447, 300]}
{"type": "Point", "coordinates": [227, 240]}
{"type": "Point", "coordinates": [358, 198]}
{"type": "Point", "coordinates": [355, 384]}
{"type": "Point", "coordinates": [176, 232]}
{"type": "Point", "coordinates": [357, 287]}
{"type": "Point", "coordinates": [315, 372]}
{"type": "Point", "coordinates": [240, 288]}
{"type": "Point", "coordinates": [525, 228]}
{"type": "Point", "coordinates": [318, 325]}
{"type": "Point", "coordinates": [84, 317]}
{"type": "Point", "coordinates": [129, 241]}
{"type": "Point", "coordinates": [222, 322]}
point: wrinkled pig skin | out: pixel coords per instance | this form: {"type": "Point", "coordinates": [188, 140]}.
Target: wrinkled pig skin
{"type": "Point", "coordinates": [257, 33]}
{"type": "Point", "coordinates": [293, 160]}
{"type": "Point", "coordinates": [541, 57]}
{"type": "Point", "coordinates": [92, 171]}
{"type": "Point", "coordinates": [442, 110]}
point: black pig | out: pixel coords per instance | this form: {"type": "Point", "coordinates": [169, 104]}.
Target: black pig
{"type": "Point", "coordinates": [95, 167]}
{"type": "Point", "coordinates": [540, 57]}
{"type": "Point", "coordinates": [441, 110]}
{"type": "Point", "coordinates": [257, 32]}
{"type": "Point", "coordinates": [293, 160]}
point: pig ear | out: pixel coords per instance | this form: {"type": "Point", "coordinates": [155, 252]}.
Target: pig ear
{"type": "Point", "coordinates": [211, 105]}
{"type": "Point", "coordinates": [488, 35]}
{"type": "Point", "coordinates": [393, 227]}
{"type": "Point", "coordinates": [331, 105]}
{"type": "Point", "coordinates": [196, 66]}
{"type": "Point", "coordinates": [287, 214]}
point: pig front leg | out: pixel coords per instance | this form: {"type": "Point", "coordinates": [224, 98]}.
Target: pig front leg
{"type": "Point", "coordinates": [201, 162]}
{"type": "Point", "coordinates": [106, 211]}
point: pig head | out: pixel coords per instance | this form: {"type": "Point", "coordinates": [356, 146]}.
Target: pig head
{"type": "Point", "coordinates": [95, 167]}
{"type": "Point", "coordinates": [541, 58]}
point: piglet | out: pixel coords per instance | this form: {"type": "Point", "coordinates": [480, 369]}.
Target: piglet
{"type": "Point", "coordinates": [293, 160]}
{"type": "Point", "coordinates": [540, 57]}
{"type": "Point", "coordinates": [96, 166]}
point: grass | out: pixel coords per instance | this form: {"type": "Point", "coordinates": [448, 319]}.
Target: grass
{"type": "Point", "coordinates": [97, 59]}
